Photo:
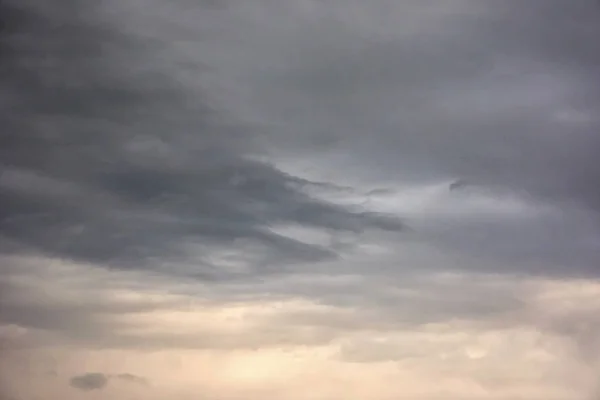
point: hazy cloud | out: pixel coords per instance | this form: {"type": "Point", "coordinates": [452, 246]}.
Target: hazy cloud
{"type": "Point", "coordinates": [132, 378]}
{"type": "Point", "coordinates": [90, 381]}
{"type": "Point", "coordinates": [98, 381]}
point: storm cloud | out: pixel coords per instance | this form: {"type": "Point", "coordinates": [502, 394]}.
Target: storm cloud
{"type": "Point", "coordinates": [91, 381]}
{"type": "Point", "coordinates": [274, 195]}
{"type": "Point", "coordinates": [88, 173]}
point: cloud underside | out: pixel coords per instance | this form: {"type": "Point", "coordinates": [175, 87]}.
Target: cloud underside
{"type": "Point", "coordinates": [123, 170]}
{"type": "Point", "coordinates": [113, 159]}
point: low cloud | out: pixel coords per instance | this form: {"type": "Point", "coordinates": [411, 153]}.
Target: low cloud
{"type": "Point", "coordinates": [98, 381]}
{"type": "Point", "coordinates": [131, 378]}
{"type": "Point", "coordinates": [89, 382]}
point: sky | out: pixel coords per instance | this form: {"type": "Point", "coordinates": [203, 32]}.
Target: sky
{"type": "Point", "coordinates": [300, 200]}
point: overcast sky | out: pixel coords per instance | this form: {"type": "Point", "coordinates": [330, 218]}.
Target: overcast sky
{"type": "Point", "coordinates": [300, 200]}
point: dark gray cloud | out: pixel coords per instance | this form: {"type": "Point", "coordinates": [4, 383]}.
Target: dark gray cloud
{"type": "Point", "coordinates": [109, 159]}
{"type": "Point", "coordinates": [98, 380]}
{"type": "Point", "coordinates": [121, 151]}
{"type": "Point", "coordinates": [504, 94]}
{"type": "Point", "coordinates": [136, 136]}
{"type": "Point", "coordinates": [90, 381]}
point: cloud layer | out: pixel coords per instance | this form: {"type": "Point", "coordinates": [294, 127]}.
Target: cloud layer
{"type": "Point", "coordinates": [245, 199]}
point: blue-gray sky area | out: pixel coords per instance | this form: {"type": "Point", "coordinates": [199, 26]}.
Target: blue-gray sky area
{"type": "Point", "coordinates": [300, 199]}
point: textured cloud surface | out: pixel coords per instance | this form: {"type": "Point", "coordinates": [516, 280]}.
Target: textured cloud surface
{"type": "Point", "coordinates": [299, 199]}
